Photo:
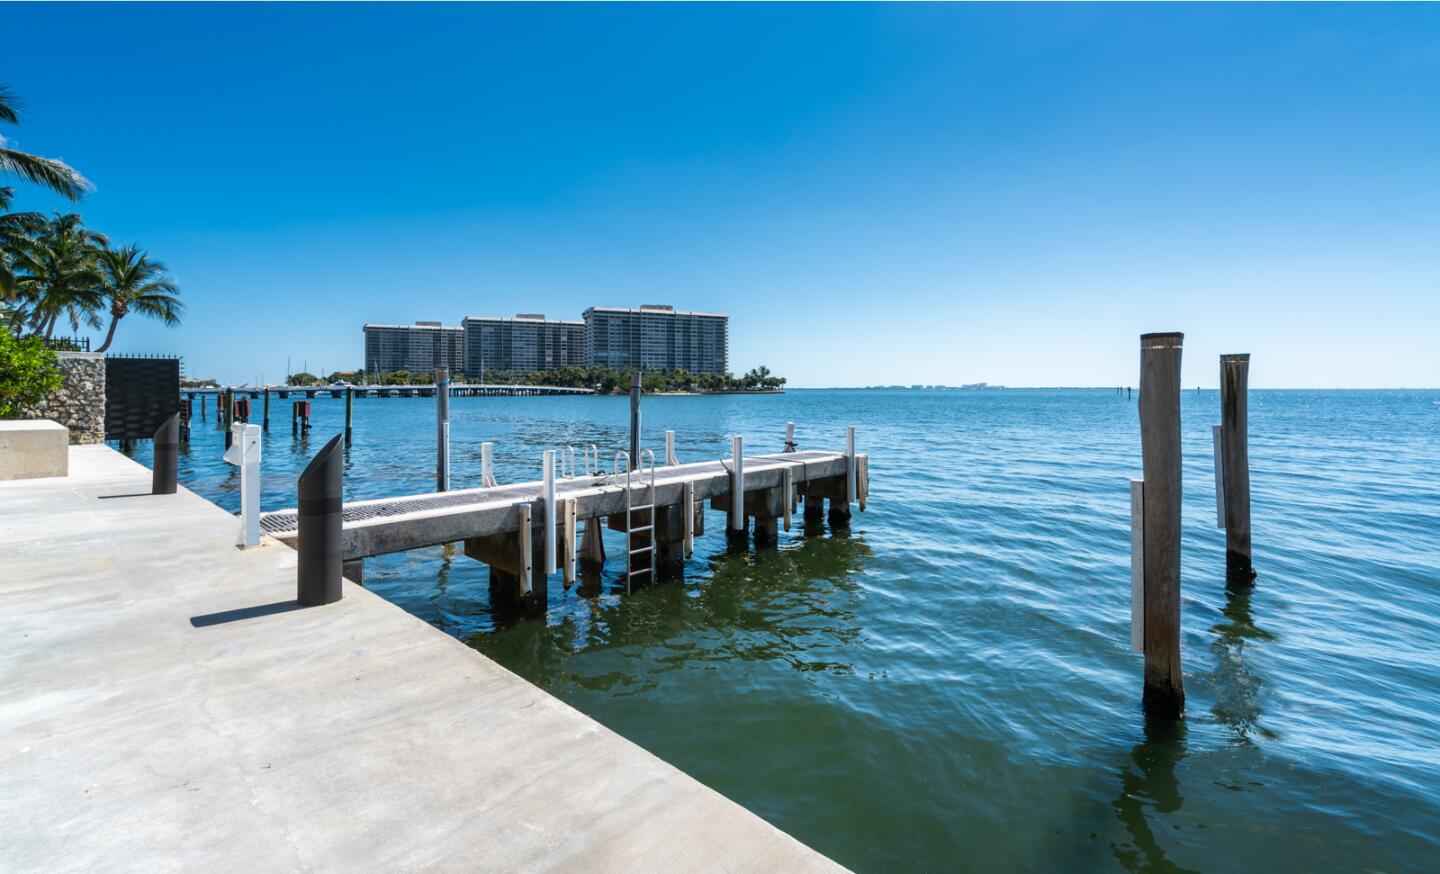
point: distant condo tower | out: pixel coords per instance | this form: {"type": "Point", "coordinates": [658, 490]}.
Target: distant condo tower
{"type": "Point", "coordinates": [657, 336]}
{"type": "Point", "coordinates": [527, 342]}
{"type": "Point", "coordinates": [417, 348]}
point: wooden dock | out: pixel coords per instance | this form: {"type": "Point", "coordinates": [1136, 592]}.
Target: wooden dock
{"type": "Point", "coordinates": [498, 523]}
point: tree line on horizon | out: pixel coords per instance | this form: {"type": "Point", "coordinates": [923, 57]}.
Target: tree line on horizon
{"type": "Point", "coordinates": [605, 380]}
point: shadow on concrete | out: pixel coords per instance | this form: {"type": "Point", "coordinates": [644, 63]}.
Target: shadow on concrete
{"type": "Point", "coordinates": [131, 495]}
{"type": "Point", "coordinates": [244, 613]}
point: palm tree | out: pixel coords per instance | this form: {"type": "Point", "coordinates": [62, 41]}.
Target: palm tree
{"type": "Point", "coordinates": [50, 172]}
{"type": "Point", "coordinates": [57, 274]}
{"type": "Point", "coordinates": [16, 228]}
{"type": "Point", "coordinates": [134, 283]}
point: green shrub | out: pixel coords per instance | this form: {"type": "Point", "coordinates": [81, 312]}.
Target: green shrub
{"type": "Point", "coordinates": [28, 372]}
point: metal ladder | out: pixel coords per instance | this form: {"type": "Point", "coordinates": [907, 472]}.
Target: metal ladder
{"type": "Point", "coordinates": [632, 510]}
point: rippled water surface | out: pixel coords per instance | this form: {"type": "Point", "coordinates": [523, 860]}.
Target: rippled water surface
{"type": "Point", "coordinates": [948, 685]}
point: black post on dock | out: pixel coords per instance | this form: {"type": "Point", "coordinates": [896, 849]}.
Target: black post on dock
{"type": "Point", "coordinates": [1235, 464]}
{"type": "Point", "coordinates": [635, 420]}
{"type": "Point", "coordinates": [442, 428]}
{"type": "Point", "coordinates": [167, 446]}
{"type": "Point", "coordinates": [319, 501]}
{"type": "Point", "coordinates": [294, 418]}
{"type": "Point", "coordinates": [1164, 695]}
{"type": "Point", "coordinates": [265, 412]}
{"type": "Point", "coordinates": [349, 412]}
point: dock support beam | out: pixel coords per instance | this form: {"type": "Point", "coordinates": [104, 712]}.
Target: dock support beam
{"type": "Point", "coordinates": [1235, 465]}
{"type": "Point", "coordinates": [1164, 695]}
{"type": "Point", "coordinates": [592, 545]}
{"type": "Point", "coordinates": [319, 497]}
{"type": "Point", "coordinates": [167, 447]}
{"type": "Point", "coordinates": [517, 583]}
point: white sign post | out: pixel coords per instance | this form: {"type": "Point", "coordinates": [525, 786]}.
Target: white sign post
{"type": "Point", "coordinates": [244, 452]}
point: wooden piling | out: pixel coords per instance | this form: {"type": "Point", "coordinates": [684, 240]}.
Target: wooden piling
{"type": "Point", "coordinates": [1164, 695]}
{"type": "Point", "coordinates": [265, 412]}
{"type": "Point", "coordinates": [349, 412]}
{"type": "Point", "coordinates": [635, 420]}
{"type": "Point", "coordinates": [1235, 464]}
{"type": "Point", "coordinates": [592, 544]}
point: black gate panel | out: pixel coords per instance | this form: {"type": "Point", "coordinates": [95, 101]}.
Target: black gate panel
{"type": "Point", "coordinates": [140, 394]}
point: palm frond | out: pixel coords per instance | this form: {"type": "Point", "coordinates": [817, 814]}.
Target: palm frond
{"type": "Point", "coordinates": [53, 174]}
{"type": "Point", "coordinates": [9, 106]}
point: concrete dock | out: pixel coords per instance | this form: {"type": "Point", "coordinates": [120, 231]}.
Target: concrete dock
{"type": "Point", "coordinates": [164, 705]}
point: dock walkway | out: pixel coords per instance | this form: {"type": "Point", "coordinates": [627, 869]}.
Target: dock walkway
{"type": "Point", "coordinates": [381, 525]}
{"type": "Point", "coordinates": [164, 705]}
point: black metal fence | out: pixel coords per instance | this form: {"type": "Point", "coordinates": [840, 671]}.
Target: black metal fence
{"type": "Point", "coordinates": [68, 344]}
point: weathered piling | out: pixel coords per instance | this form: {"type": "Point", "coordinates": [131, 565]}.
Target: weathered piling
{"type": "Point", "coordinates": [203, 416]}
{"type": "Point", "coordinates": [319, 495]}
{"type": "Point", "coordinates": [349, 412]}
{"type": "Point", "coordinates": [1164, 694]}
{"type": "Point", "coordinates": [1235, 464]}
{"type": "Point", "coordinates": [265, 412]}
{"type": "Point", "coordinates": [635, 420]}
{"type": "Point", "coordinates": [167, 446]}
{"type": "Point", "coordinates": [442, 428]}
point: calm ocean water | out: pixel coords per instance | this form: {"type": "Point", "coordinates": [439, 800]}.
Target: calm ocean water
{"type": "Point", "coordinates": [948, 685]}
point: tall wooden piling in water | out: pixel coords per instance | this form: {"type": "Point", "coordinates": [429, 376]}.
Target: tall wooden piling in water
{"type": "Point", "coordinates": [1164, 694]}
{"type": "Point", "coordinates": [442, 428]}
{"type": "Point", "coordinates": [265, 412]}
{"type": "Point", "coordinates": [635, 420]}
{"type": "Point", "coordinates": [1235, 464]}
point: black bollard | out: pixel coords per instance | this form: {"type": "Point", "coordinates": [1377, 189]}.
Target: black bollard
{"type": "Point", "coordinates": [167, 444]}
{"type": "Point", "coordinates": [319, 500]}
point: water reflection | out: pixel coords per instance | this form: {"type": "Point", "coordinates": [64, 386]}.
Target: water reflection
{"type": "Point", "coordinates": [1238, 689]}
{"type": "Point", "coordinates": [1151, 783]}
{"type": "Point", "coordinates": [796, 604]}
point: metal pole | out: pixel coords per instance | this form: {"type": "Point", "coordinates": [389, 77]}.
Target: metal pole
{"type": "Point", "coordinates": [442, 428]}
{"type": "Point", "coordinates": [167, 444]}
{"type": "Point", "coordinates": [737, 484]}
{"type": "Point", "coordinates": [249, 460]}
{"type": "Point", "coordinates": [320, 500]}
{"type": "Point", "coordinates": [635, 420]}
{"type": "Point", "coordinates": [1164, 695]}
{"type": "Point", "coordinates": [547, 536]}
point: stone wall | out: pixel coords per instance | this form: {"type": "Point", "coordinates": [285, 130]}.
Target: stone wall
{"type": "Point", "coordinates": [79, 404]}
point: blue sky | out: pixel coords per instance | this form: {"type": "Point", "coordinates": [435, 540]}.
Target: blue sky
{"type": "Point", "coordinates": [876, 194]}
